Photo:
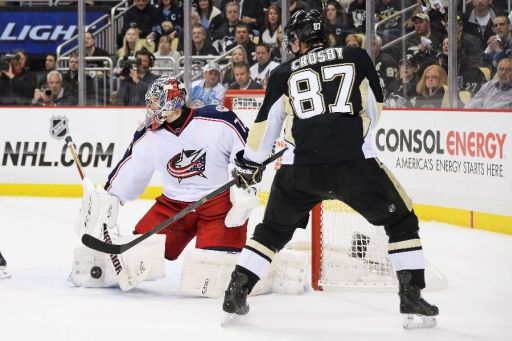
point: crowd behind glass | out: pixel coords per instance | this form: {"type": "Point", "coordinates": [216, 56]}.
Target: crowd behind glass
{"type": "Point", "coordinates": [413, 71]}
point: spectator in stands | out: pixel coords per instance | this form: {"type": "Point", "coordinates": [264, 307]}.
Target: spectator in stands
{"type": "Point", "coordinates": [423, 42]}
{"type": "Point", "coordinates": [238, 55]}
{"type": "Point", "coordinates": [391, 28]}
{"type": "Point", "coordinates": [172, 11]}
{"type": "Point", "coordinates": [499, 46]}
{"type": "Point", "coordinates": [354, 40]}
{"type": "Point", "coordinates": [135, 83]}
{"type": "Point", "coordinates": [402, 92]}
{"type": "Point", "coordinates": [496, 93]}
{"type": "Point", "coordinates": [478, 22]}
{"type": "Point", "coordinates": [50, 64]}
{"type": "Point", "coordinates": [132, 43]}
{"type": "Point", "coordinates": [469, 60]}
{"type": "Point", "coordinates": [242, 38]}
{"type": "Point", "coordinates": [432, 88]}
{"type": "Point", "coordinates": [17, 82]}
{"type": "Point", "coordinates": [243, 80]}
{"type": "Point", "coordinates": [222, 28]}
{"type": "Point", "coordinates": [142, 15]}
{"type": "Point", "coordinates": [296, 5]}
{"type": "Point", "coordinates": [70, 78]}
{"type": "Point", "coordinates": [165, 50]}
{"type": "Point", "coordinates": [385, 64]}
{"type": "Point", "coordinates": [54, 93]}
{"type": "Point", "coordinates": [208, 91]}
{"type": "Point", "coordinates": [251, 13]}
{"type": "Point", "coordinates": [91, 50]}
{"type": "Point", "coordinates": [278, 48]}
{"type": "Point", "coordinates": [437, 13]}
{"type": "Point", "coordinates": [336, 32]}
{"type": "Point", "coordinates": [201, 45]}
{"type": "Point", "coordinates": [272, 24]}
{"type": "Point", "coordinates": [207, 12]}
{"type": "Point", "coordinates": [357, 9]}
{"type": "Point", "coordinates": [261, 70]}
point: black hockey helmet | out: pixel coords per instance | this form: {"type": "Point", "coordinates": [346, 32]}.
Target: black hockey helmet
{"type": "Point", "coordinates": [305, 26]}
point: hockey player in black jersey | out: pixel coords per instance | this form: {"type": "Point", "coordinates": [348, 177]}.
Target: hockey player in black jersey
{"type": "Point", "coordinates": [325, 160]}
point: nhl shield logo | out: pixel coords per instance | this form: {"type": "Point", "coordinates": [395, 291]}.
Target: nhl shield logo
{"type": "Point", "coordinates": [59, 127]}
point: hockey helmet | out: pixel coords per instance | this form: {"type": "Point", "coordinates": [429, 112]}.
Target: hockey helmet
{"type": "Point", "coordinates": [164, 96]}
{"type": "Point", "coordinates": [305, 26]}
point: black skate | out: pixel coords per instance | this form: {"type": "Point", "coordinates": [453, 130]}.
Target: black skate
{"type": "Point", "coordinates": [411, 304]}
{"type": "Point", "coordinates": [235, 298]}
{"type": "Point", "coordinates": [3, 268]}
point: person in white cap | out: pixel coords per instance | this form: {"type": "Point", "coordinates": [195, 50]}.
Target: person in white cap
{"type": "Point", "coordinates": [208, 91]}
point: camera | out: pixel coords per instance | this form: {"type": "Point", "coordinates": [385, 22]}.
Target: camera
{"type": "Point", "coordinates": [6, 59]}
{"type": "Point", "coordinates": [126, 64]}
{"type": "Point", "coordinates": [46, 91]}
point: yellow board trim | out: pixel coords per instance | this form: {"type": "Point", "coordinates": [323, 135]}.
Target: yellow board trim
{"type": "Point", "coordinates": [54, 190]}
{"type": "Point", "coordinates": [465, 218]}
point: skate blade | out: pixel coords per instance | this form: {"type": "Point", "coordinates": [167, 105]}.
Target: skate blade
{"type": "Point", "coordinates": [421, 321]}
{"type": "Point", "coordinates": [229, 318]}
{"type": "Point", "coordinates": [4, 274]}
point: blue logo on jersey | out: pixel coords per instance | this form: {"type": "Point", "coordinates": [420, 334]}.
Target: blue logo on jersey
{"type": "Point", "coordinates": [186, 164]}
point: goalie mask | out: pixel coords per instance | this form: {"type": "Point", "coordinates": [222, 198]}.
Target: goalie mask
{"type": "Point", "coordinates": [304, 26]}
{"type": "Point", "coordinates": [164, 96]}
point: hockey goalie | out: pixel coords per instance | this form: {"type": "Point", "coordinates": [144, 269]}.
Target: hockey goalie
{"type": "Point", "coordinates": [192, 150]}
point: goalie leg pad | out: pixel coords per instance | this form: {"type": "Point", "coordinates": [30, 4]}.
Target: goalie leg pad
{"type": "Point", "coordinates": [290, 272]}
{"type": "Point", "coordinates": [206, 273]}
{"type": "Point", "coordinates": [98, 208]}
{"type": "Point", "coordinates": [92, 269]}
{"type": "Point", "coordinates": [146, 262]}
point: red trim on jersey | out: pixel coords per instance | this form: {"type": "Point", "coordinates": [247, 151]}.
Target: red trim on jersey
{"type": "Point", "coordinates": [178, 131]}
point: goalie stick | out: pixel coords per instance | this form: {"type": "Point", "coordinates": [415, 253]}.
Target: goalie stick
{"type": "Point", "coordinates": [126, 282]}
{"type": "Point", "coordinates": [99, 245]}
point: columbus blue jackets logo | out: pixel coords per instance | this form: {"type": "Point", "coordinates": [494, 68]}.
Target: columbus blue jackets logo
{"type": "Point", "coordinates": [186, 164]}
{"type": "Point", "coordinates": [58, 127]}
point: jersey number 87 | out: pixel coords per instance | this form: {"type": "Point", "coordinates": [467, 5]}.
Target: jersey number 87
{"type": "Point", "coordinates": [306, 93]}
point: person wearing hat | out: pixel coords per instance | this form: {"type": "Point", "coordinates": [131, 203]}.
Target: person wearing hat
{"type": "Point", "coordinates": [402, 91]}
{"type": "Point", "coordinates": [424, 40]}
{"type": "Point", "coordinates": [208, 91]}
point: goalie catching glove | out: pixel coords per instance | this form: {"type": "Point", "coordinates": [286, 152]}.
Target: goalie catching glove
{"type": "Point", "coordinates": [243, 201]}
{"type": "Point", "coordinates": [246, 173]}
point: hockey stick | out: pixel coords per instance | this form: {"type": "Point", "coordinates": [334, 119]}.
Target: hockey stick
{"type": "Point", "coordinates": [125, 281]}
{"type": "Point", "coordinates": [99, 245]}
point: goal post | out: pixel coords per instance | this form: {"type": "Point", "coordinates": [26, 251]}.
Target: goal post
{"type": "Point", "coordinates": [346, 250]}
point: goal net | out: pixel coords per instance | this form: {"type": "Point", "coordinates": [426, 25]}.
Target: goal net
{"type": "Point", "coordinates": [346, 250]}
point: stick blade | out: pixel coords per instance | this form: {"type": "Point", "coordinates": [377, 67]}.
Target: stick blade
{"type": "Point", "coordinates": [100, 245]}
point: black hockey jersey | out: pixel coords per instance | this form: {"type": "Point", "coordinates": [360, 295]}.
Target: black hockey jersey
{"type": "Point", "coordinates": [318, 94]}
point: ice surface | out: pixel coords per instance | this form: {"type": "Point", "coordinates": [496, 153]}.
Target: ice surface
{"type": "Point", "coordinates": [38, 303]}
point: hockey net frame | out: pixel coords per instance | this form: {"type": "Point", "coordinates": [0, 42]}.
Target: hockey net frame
{"type": "Point", "coordinates": [361, 259]}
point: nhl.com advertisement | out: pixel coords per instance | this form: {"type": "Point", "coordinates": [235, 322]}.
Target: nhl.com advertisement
{"type": "Point", "coordinates": [461, 159]}
{"type": "Point", "coordinates": [33, 148]}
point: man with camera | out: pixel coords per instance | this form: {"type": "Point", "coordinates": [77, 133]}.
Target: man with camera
{"type": "Point", "coordinates": [17, 83]}
{"type": "Point", "coordinates": [135, 78]}
{"type": "Point", "coordinates": [499, 45]}
{"type": "Point", "coordinates": [54, 94]}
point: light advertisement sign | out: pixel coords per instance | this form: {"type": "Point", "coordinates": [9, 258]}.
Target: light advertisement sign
{"type": "Point", "coordinates": [39, 32]}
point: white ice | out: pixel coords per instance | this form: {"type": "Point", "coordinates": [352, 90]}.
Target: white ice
{"type": "Point", "coordinates": [38, 303]}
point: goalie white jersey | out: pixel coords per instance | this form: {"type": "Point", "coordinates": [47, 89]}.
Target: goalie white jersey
{"type": "Point", "coordinates": [192, 160]}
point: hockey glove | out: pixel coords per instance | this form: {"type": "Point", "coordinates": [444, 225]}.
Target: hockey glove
{"type": "Point", "coordinates": [246, 173]}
